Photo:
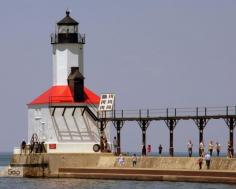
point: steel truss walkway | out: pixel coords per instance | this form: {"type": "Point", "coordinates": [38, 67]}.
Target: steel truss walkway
{"type": "Point", "coordinates": [171, 116]}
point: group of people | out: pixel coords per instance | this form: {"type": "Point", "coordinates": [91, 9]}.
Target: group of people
{"type": "Point", "coordinates": [148, 150]}
{"type": "Point", "coordinates": [207, 156]}
{"type": "Point", "coordinates": [207, 159]}
{"type": "Point", "coordinates": [203, 155]}
{"type": "Point", "coordinates": [211, 148]}
{"type": "Point", "coordinates": [34, 146]}
{"type": "Point", "coordinates": [121, 160]}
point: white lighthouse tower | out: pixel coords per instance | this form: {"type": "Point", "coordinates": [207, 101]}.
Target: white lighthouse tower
{"type": "Point", "coordinates": [67, 45]}
{"type": "Point", "coordinates": [64, 116]}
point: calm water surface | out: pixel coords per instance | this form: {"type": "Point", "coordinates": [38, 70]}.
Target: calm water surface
{"type": "Point", "coordinates": [26, 183]}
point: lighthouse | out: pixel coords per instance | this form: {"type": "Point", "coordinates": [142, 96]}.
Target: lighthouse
{"type": "Point", "coordinates": [64, 116]}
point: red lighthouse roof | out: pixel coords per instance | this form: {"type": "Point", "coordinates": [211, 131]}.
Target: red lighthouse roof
{"type": "Point", "coordinates": [62, 94]}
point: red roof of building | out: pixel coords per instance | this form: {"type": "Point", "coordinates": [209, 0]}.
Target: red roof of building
{"type": "Point", "coordinates": [62, 94]}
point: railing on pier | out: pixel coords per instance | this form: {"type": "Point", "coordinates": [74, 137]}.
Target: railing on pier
{"type": "Point", "coordinates": [154, 113]}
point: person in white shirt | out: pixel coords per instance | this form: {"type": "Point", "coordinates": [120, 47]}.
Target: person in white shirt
{"type": "Point", "coordinates": [208, 160]}
{"type": "Point", "coordinates": [210, 147]}
{"type": "Point", "coordinates": [218, 148]}
{"type": "Point", "coordinates": [121, 160]}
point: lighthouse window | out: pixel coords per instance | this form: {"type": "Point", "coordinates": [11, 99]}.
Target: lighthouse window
{"type": "Point", "coordinates": [76, 29]}
{"type": "Point", "coordinates": [104, 96]}
{"type": "Point", "coordinates": [111, 96]}
{"type": "Point", "coordinates": [109, 107]}
{"type": "Point", "coordinates": [106, 102]}
{"type": "Point", "coordinates": [102, 107]}
{"type": "Point", "coordinates": [66, 29]}
{"type": "Point", "coordinates": [103, 102]}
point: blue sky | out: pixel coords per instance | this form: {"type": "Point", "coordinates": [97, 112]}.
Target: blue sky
{"type": "Point", "coordinates": [151, 54]}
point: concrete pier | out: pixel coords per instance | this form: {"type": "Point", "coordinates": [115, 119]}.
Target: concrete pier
{"type": "Point", "coordinates": [105, 166]}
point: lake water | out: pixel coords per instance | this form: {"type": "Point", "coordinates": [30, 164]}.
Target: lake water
{"type": "Point", "coordinates": [40, 183]}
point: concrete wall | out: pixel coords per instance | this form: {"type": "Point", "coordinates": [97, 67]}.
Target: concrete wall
{"type": "Point", "coordinates": [100, 160]}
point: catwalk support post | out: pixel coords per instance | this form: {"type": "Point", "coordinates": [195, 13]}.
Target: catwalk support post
{"type": "Point", "coordinates": [231, 123]}
{"type": "Point", "coordinates": [171, 124]}
{"type": "Point", "coordinates": [118, 125]}
{"type": "Point", "coordinates": [144, 125]}
{"type": "Point", "coordinates": [201, 124]}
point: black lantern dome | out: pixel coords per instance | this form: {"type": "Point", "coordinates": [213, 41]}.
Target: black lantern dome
{"type": "Point", "coordinates": [67, 31]}
{"type": "Point", "coordinates": [67, 20]}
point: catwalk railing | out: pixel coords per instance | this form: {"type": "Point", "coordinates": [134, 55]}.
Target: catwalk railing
{"type": "Point", "coordinates": [177, 113]}
{"type": "Point", "coordinates": [150, 114]}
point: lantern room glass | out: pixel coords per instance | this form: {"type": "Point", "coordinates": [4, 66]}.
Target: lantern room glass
{"type": "Point", "coordinates": [68, 29]}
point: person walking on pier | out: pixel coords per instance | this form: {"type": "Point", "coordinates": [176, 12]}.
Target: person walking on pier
{"type": "Point", "coordinates": [160, 149]}
{"type": "Point", "coordinates": [121, 160]}
{"type": "Point", "coordinates": [200, 162]}
{"type": "Point", "coordinates": [208, 160]}
{"type": "Point", "coordinates": [210, 147]}
{"type": "Point", "coordinates": [190, 148]}
{"type": "Point", "coordinates": [218, 149]}
{"type": "Point", "coordinates": [134, 160]}
{"type": "Point", "coordinates": [201, 148]}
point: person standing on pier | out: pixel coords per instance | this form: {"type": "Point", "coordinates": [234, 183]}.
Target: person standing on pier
{"type": "Point", "coordinates": [149, 148]}
{"type": "Point", "coordinates": [144, 152]}
{"type": "Point", "coordinates": [134, 160]}
{"type": "Point", "coordinates": [23, 147]}
{"type": "Point", "coordinates": [160, 149]}
{"type": "Point", "coordinates": [210, 147]}
{"type": "Point", "coordinates": [115, 146]}
{"type": "Point", "coordinates": [218, 149]}
{"type": "Point", "coordinates": [190, 148]}
{"type": "Point", "coordinates": [229, 150]}
{"type": "Point", "coordinates": [201, 148]}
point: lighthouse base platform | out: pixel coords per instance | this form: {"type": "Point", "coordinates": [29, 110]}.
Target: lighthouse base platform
{"type": "Point", "coordinates": [105, 166]}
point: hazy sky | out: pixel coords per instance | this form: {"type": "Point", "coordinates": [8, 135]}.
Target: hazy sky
{"type": "Point", "coordinates": [151, 54]}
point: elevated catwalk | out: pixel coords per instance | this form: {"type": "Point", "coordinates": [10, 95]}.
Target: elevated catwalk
{"type": "Point", "coordinates": [171, 116]}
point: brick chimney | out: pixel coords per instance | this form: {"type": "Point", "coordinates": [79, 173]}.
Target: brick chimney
{"type": "Point", "coordinates": [76, 83]}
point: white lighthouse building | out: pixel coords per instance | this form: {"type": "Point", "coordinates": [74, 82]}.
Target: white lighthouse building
{"type": "Point", "coordinates": [64, 116]}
